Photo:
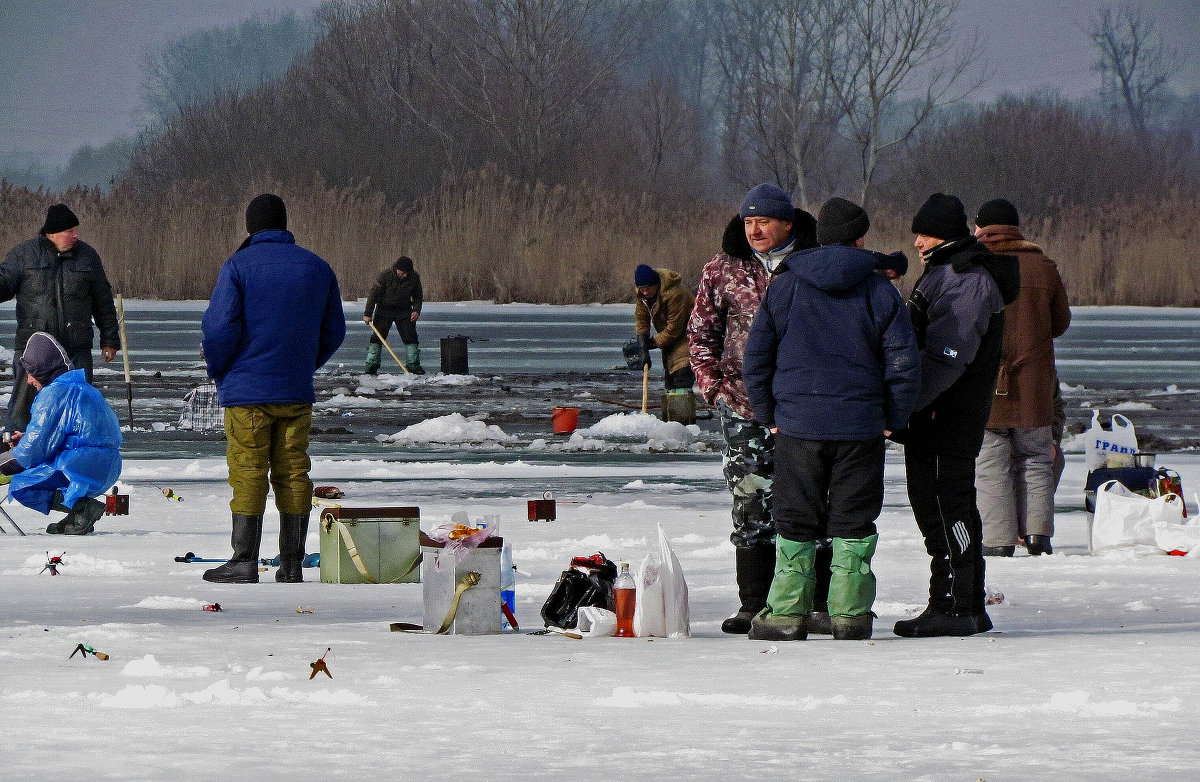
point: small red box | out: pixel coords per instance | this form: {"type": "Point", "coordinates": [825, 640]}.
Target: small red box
{"type": "Point", "coordinates": [542, 510]}
{"type": "Point", "coordinates": [116, 504]}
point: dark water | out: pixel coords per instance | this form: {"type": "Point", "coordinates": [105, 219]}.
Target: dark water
{"type": "Point", "coordinates": [1111, 355]}
{"type": "Point", "coordinates": [1105, 348]}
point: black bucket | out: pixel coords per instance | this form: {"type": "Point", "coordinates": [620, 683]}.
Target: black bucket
{"type": "Point", "coordinates": [454, 355]}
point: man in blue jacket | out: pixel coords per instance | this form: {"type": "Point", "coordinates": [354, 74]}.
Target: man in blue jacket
{"type": "Point", "coordinates": [275, 317]}
{"type": "Point", "coordinates": [70, 451]}
{"type": "Point", "coordinates": [831, 367]}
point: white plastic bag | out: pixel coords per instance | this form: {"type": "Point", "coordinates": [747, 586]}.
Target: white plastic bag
{"type": "Point", "coordinates": [1177, 537]}
{"type": "Point", "coordinates": [662, 595]}
{"type": "Point", "coordinates": [1100, 443]}
{"type": "Point", "coordinates": [1126, 519]}
{"type": "Point", "coordinates": [595, 622]}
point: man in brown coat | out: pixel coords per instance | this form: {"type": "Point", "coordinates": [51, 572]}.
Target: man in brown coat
{"type": "Point", "coordinates": [1014, 472]}
{"type": "Point", "coordinates": [663, 302]}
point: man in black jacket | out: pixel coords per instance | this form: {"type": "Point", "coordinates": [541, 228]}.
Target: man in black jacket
{"type": "Point", "coordinates": [396, 297]}
{"type": "Point", "coordinates": [60, 288]}
{"type": "Point", "coordinates": [957, 309]}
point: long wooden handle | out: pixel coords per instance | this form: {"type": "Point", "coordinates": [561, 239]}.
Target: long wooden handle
{"type": "Point", "coordinates": [389, 348]}
{"type": "Point", "coordinates": [645, 387]}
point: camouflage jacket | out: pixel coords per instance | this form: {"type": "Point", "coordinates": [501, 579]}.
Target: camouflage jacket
{"type": "Point", "coordinates": [731, 287]}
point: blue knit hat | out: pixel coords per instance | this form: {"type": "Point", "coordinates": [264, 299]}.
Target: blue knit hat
{"type": "Point", "coordinates": [643, 275]}
{"type": "Point", "coordinates": [767, 200]}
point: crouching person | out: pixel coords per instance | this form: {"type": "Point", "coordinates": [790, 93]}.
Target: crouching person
{"type": "Point", "coordinates": [70, 452]}
{"type": "Point", "coordinates": [831, 367]}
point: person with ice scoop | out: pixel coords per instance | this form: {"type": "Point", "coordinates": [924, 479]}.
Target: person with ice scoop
{"type": "Point", "coordinates": [275, 317]}
{"type": "Point", "coordinates": [831, 368]}
{"type": "Point", "coordinates": [70, 451]}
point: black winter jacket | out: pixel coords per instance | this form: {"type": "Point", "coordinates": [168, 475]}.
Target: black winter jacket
{"type": "Point", "coordinates": [831, 353]}
{"type": "Point", "coordinates": [395, 296]}
{"type": "Point", "coordinates": [957, 309]}
{"type": "Point", "coordinates": [59, 293]}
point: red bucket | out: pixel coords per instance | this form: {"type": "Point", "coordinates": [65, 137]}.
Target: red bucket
{"type": "Point", "coordinates": [565, 419]}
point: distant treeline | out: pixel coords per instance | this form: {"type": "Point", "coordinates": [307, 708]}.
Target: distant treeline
{"type": "Point", "coordinates": [538, 150]}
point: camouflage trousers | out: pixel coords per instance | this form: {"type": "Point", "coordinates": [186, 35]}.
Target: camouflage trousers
{"type": "Point", "coordinates": [269, 442]}
{"type": "Point", "coordinates": [748, 462]}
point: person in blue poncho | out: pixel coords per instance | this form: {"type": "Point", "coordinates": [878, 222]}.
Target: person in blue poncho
{"type": "Point", "coordinates": [70, 452]}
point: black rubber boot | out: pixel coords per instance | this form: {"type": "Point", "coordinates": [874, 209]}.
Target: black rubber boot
{"type": "Point", "coordinates": [242, 567]}
{"type": "Point", "coordinates": [293, 531]}
{"type": "Point", "coordinates": [755, 568]}
{"type": "Point", "coordinates": [83, 518]}
{"type": "Point", "coordinates": [999, 551]}
{"type": "Point", "coordinates": [932, 624]}
{"type": "Point", "coordinates": [1037, 545]}
{"type": "Point", "coordinates": [818, 623]}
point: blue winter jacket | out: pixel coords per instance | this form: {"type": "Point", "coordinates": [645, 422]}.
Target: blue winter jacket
{"type": "Point", "coordinates": [274, 318]}
{"type": "Point", "coordinates": [72, 443]}
{"type": "Point", "coordinates": [831, 353]}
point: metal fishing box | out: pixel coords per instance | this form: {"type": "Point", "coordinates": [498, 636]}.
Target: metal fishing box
{"type": "Point", "coordinates": [370, 545]}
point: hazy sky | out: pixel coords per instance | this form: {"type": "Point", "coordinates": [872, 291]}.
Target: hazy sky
{"type": "Point", "coordinates": [69, 68]}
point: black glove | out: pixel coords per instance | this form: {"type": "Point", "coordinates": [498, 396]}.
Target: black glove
{"type": "Point", "coordinates": [646, 343]}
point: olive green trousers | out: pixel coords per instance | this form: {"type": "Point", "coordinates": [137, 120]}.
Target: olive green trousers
{"type": "Point", "coordinates": [272, 440]}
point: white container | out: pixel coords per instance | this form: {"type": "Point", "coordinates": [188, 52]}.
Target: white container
{"type": "Point", "coordinates": [479, 607]}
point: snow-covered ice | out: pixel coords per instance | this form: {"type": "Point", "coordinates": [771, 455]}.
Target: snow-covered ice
{"type": "Point", "coordinates": [1086, 676]}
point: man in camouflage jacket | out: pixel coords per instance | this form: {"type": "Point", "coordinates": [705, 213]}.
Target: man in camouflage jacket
{"type": "Point", "coordinates": [767, 228]}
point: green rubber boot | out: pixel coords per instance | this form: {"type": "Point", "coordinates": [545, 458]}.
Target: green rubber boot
{"type": "Point", "coordinates": [790, 600]}
{"type": "Point", "coordinates": [374, 357]}
{"type": "Point", "coordinates": [852, 588]}
{"type": "Point", "coordinates": [412, 359]}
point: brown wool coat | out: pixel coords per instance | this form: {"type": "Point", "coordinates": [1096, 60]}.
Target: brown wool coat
{"type": "Point", "coordinates": [669, 312]}
{"type": "Point", "coordinates": [1024, 396]}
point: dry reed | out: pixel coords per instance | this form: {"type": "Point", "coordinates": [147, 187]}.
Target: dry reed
{"type": "Point", "coordinates": [486, 236]}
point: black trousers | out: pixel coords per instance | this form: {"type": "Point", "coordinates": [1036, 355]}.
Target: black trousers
{"type": "Point", "coordinates": [827, 488]}
{"type": "Point", "coordinates": [680, 378]}
{"type": "Point", "coordinates": [384, 319]}
{"type": "Point", "coordinates": [941, 490]}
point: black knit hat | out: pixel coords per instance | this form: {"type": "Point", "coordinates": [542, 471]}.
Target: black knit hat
{"type": "Point", "coordinates": [998, 211]}
{"type": "Point", "coordinates": [44, 357]}
{"type": "Point", "coordinates": [942, 217]}
{"type": "Point", "coordinates": [266, 212]}
{"type": "Point", "coordinates": [841, 222]}
{"type": "Point", "coordinates": [59, 218]}
{"type": "Point", "coordinates": [403, 264]}
{"type": "Point", "coordinates": [644, 276]}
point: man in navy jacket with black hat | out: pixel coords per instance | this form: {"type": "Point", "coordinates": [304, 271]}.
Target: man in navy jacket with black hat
{"type": "Point", "coordinates": [831, 367]}
{"type": "Point", "coordinates": [275, 317]}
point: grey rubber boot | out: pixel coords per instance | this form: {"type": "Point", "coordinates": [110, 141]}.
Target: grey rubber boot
{"type": "Point", "coordinates": [293, 531]}
{"type": "Point", "coordinates": [242, 567]}
{"type": "Point", "coordinates": [374, 357]}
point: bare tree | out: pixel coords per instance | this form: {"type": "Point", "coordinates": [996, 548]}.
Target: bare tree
{"type": "Point", "coordinates": [778, 109]}
{"type": "Point", "coordinates": [1134, 62]}
{"type": "Point", "coordinates": [532, 72]}
{"type": "Point", "coordinates": [891, 63]}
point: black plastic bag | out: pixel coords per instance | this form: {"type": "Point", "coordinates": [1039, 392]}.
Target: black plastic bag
{"type": "Point", "coordinates": [588, 582]}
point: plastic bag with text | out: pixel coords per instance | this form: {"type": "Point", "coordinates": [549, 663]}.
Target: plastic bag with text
{"type": "Point", "coordinates": [662, 595]}
{"type": "Point", "coordinates": [1101, 442]}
